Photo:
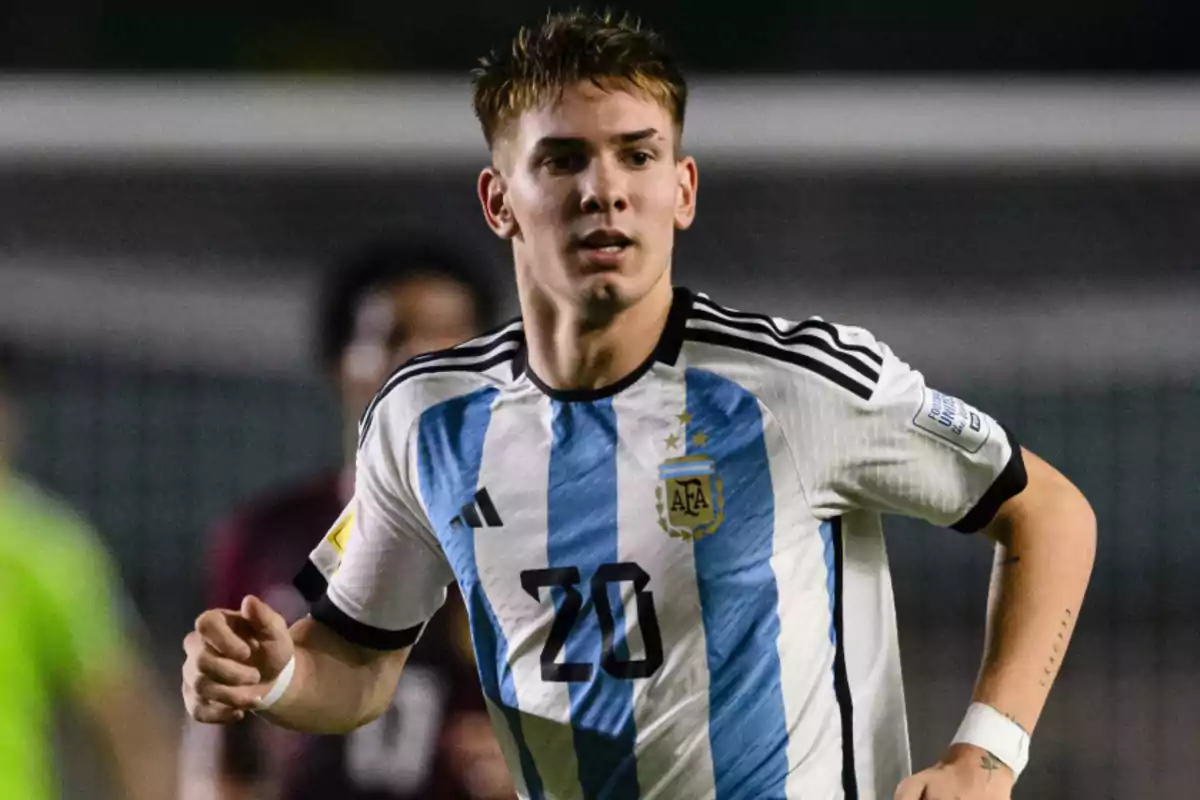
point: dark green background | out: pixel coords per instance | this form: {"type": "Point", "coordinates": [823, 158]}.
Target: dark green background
{"type": "Point", "coordinates": [1121, 36]}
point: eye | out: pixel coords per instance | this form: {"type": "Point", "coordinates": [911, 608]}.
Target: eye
{"type": "Point", "coordinates": [640, 158]}
{"type": "Point", "coordinates": [562, 163]}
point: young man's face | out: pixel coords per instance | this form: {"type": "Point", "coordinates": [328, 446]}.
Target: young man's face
{"type": "Point", "coordinates": [591, 192]}
{"type": "Point", "coordinates": [395, 323]}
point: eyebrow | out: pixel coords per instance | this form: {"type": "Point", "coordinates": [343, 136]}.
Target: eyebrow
{"type": "Point", "coordinates": [632, 137]}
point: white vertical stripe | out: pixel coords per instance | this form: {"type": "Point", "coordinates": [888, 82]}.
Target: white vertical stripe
{"type": "Point", "coordinates": [671, 706]}
{"type": "Point", "coordinates": [515, 469]}
{"type": "Point", "coordinates": [508, 746]}
{"type": "Point", "coordinates": [814, 748]}
{"type": "Point", "coordinates": [881, 754]}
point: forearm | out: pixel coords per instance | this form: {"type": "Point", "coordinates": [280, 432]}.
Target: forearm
{"type": "Point", "coordinates": [1045, 547]}
{"type": "Point", "coordinates": [334, 690]}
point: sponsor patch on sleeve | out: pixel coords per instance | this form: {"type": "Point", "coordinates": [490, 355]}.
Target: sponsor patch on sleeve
{"type": "Point", "coordinates": [949, 418]}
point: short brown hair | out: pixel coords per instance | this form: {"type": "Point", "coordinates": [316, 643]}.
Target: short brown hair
{"type": "Point", "coordinates": [569, 48]}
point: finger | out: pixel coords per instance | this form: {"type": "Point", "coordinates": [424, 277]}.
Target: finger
{"type": "Point", "coordinates": [217, 630]}
{"type": "Point", "coordinates": [262, 618]}
{"type": "Point", "coordinates": [225, 671]}
{"type": "Point", "coordinates": [911, 789]}
{"type": "Point", "coordinates": [215, 713]}
{"type": "Point", "coordinates": [194, 646]}
{"type": "Point", "coordinates": [239, 697]}
{"type": "Point", "coordinates": [204, 711]}
{"type": "Point", "coordinates": [193, 643]}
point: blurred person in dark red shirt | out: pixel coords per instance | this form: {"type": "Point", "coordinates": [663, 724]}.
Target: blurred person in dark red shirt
{"type": "Point", "coordinates": [378, 309]}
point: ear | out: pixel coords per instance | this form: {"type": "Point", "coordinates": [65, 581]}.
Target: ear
{"type": "Point", "coordinates": [493, 196]}
{"type": "Point", "coordinates": [685, 195]}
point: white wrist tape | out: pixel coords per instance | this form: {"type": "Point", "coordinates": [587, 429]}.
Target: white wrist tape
{"type": "Point", "coordinates": [280, 686]}
{"type": "Point", "coordinates": [987, 728]}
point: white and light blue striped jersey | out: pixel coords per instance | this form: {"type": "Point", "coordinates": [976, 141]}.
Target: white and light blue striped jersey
{"type": "Point", "coordinates": [677, 585]}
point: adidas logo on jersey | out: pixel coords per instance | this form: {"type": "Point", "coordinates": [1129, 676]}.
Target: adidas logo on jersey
{"type": "Point", "coordinates": [471, 513]}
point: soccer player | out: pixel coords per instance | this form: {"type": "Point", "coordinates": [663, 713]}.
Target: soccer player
{"type": "Point", "coordinates": [379, 307]}
{"type": "Point", "coordinates": [664, 514]}
{"type": "Point", "coordinates": [65, 642]}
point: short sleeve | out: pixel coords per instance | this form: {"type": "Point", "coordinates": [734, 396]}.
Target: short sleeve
{"type": "Point", "coordinates": [909, 449]}
{"type": "Point", "coordinates": [379, 574]}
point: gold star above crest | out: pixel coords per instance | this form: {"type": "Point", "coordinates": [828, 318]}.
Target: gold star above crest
{"type": "Point", "coordinates": [685, 417]}
{"type": "Point", "coordinates": [700, 439]}
{"type": "Point", "coordinates": [672, 441]}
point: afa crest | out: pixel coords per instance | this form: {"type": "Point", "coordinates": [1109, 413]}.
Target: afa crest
{"type": "Point", "coordinates": [689, 495]}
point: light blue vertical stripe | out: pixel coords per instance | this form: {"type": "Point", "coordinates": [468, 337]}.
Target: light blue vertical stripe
{"type": "Point", "coordinates": [830, 577]}
{"type": "Point", "coordinates": [450, 450]}
{"type": "Point", "coordinates": [582, 517]}
{"type": "Point", "coordinates": [739, 599]}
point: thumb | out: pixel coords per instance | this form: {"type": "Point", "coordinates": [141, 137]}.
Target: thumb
{"type": "Point", "coordinates": [264, 620]}
{"type": "Point", "coordinates": [274, 641]}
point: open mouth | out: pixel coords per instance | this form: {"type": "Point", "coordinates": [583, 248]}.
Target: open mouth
{"type": "Point", "coordinates": [605, 242]}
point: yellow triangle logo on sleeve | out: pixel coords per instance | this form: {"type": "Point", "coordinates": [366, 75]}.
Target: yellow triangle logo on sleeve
{"type": "Point", "coordinates": [340, 533]}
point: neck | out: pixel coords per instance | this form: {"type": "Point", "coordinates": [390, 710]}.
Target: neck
{"type": "Point", "coordinates": [569, 351]}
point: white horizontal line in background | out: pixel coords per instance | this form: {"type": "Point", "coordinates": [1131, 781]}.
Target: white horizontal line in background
{"type": "Point", "coordinates": [849, 122]}
{"type": "Point", "coordinates": [130, 312]}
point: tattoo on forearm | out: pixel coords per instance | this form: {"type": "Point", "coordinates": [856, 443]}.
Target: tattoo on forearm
{"type": "Point", "coordinates": [1013, 720]}
{"type": "Point", "coordinates": [1060, 644]}
{"type": "Point", "coordinates": [990, 763]}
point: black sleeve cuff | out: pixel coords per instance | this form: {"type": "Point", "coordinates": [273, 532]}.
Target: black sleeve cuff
{"type": "Point", "coordinates": [310, 582]}
{"type": "Point", "coordinates": [1009, 483]}
{"type": "Point", "coordinates": [313, 586]}
{"type": "Point", "coordinates": [355, 632]}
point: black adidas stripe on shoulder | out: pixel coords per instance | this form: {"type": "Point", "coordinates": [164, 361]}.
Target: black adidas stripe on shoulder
{"type": "Point", "coordinates": [474, 346]}
{"type": "Point", "coordinates": [467, 357]}
{"type": "Point", "coordinates": [480, 345]}
{"type": "Point", "coordinates": [729, 339]}
{"type": "Point", "coordinates": [759, 328]}
{"type": "Point", "coordinates": [802, 331]}
{"type": "Point", "coordinates": [822, 325]}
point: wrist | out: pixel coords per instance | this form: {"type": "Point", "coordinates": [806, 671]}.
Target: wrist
{"type": "Point", "coordinates": [979, 759]}
{"type": "Point", "coordinates": [1003, 741]}
{"type": "Point", "coordinates": [280, 685]}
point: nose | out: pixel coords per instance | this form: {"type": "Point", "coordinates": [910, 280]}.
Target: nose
{"type": "Point", "coordinates": [604, 188]}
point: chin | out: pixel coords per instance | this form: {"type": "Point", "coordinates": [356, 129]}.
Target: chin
{"type": "Point", "coordinates": [604, 295]}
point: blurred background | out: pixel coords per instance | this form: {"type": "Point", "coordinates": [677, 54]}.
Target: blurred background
{"type": "Point", "coordinates": [1006, 193]}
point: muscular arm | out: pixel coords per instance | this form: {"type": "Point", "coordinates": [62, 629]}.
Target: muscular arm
{"type": "Point", "coordinates": [1045, 545]}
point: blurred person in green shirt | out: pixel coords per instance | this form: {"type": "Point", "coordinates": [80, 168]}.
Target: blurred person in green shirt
{"type": "Point", "coordinates": [64, 643]}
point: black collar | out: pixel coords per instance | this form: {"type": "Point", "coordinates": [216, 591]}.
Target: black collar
{"type": "Point", "coordinates": [665, 352]}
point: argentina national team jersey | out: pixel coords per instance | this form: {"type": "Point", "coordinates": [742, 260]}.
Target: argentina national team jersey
{"type": "Point", "coordinates": [677, 585]}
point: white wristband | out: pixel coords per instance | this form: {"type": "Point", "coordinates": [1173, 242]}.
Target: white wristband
{"type": "Point", "coordinates": [987, 728]}
{"type": "Point", "coordinates": [280, 686]}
